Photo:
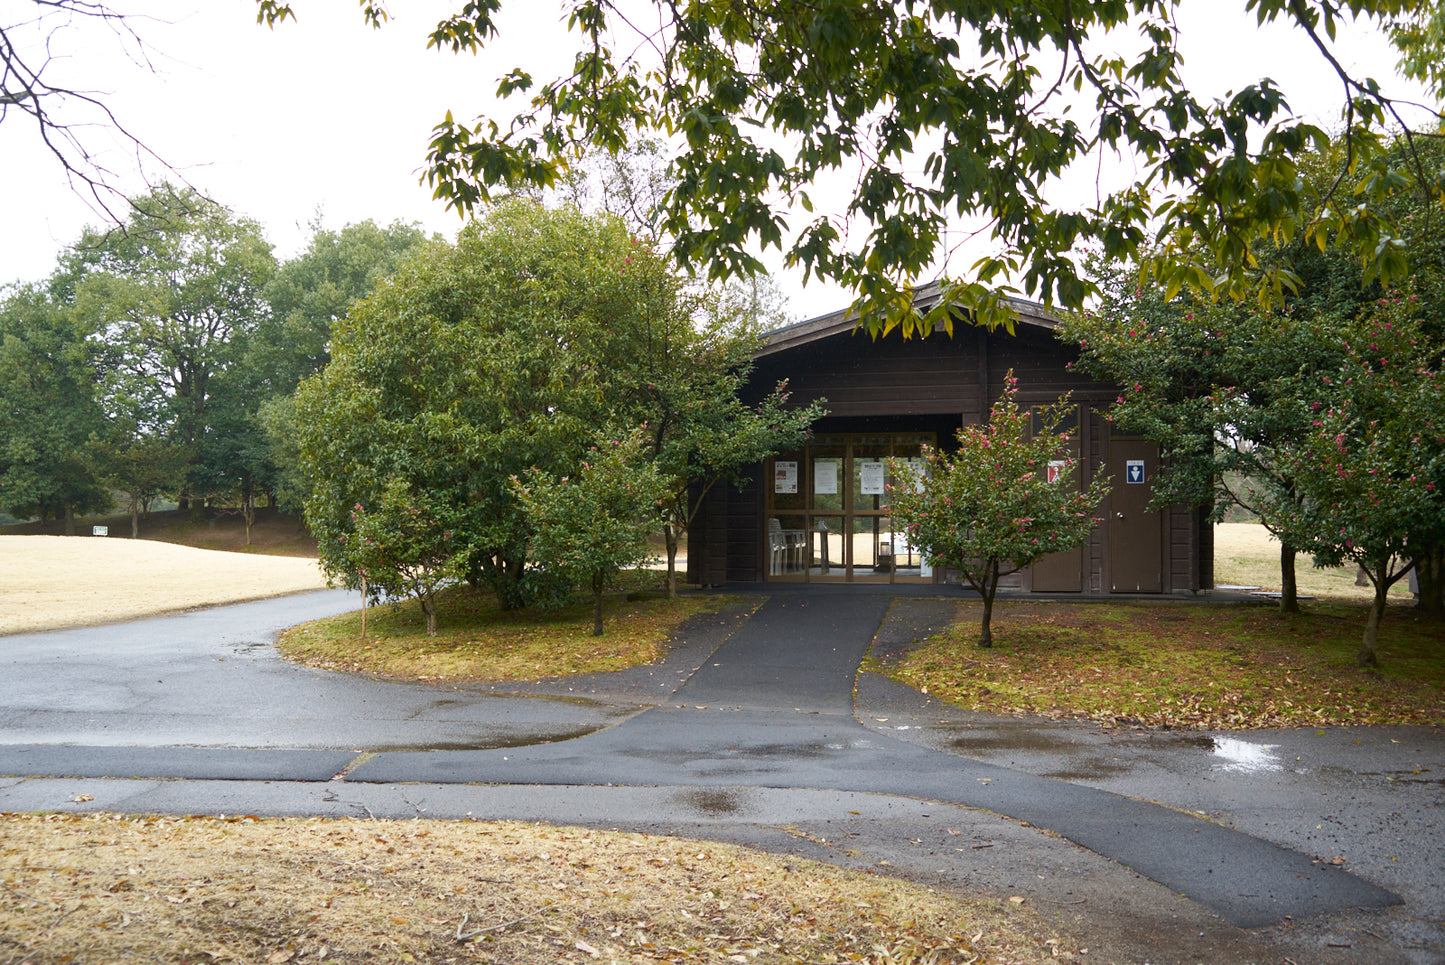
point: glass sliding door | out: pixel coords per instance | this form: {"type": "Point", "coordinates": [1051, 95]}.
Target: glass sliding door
{"type": "Point", "coordinates": [868, 488]}
{"type": "Point", "coordinates": [827, 517]}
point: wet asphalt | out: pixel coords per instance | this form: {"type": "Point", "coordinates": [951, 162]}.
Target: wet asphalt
{"type": "Point", "coordinates": [758, 729]}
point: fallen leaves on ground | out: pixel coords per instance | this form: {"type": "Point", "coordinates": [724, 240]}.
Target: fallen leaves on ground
{"type": "Point", "coordinates": [101, 887]}
{"type": "Point", "coordinates": [1186, 666]}
{"type": "Point", "coordinates": [479, 642]}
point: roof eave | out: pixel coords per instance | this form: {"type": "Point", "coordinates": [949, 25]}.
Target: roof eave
{"type": "Point", "coordinates": [845, 321]}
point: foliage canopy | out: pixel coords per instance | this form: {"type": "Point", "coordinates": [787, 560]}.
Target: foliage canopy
{"type": "Point", "coordinates": [501, 358]}
{"type": "Point", "coordinates": [938, 113]}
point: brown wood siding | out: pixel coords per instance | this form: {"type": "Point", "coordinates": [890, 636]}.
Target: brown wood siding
{"type": "Point", "coordinates": [1205, 551]}
{"type": "Point", "coordinates": [1094, 460]}
{"type": "Point", "coordinates": [745, 530]}
{"type": "Point", "coordinates": [1181, 550]}
{"type": "Point", "coordinates": [714, 565]}
{"type": "Point", "coordinates": [1041, 364]}
{"type": "Point", "coordinates": [1191, 550]}
{"type": "Point", "coordinates": [893, 376]}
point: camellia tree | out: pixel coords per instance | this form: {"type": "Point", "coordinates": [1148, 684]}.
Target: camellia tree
{"type": "Point", "coordinates": [1229, 390]}
{"type": "Point", "coordinates": [1219, 387]}
{"type": "Point", "coordinates": [1371, 473]}
{"type": "Point", "coordinates": [589, 526]}
{"type": "Point", "coordinates": [701, 432]}
{"type": "Point", "coordinates": [991, 508]}
{"type": "Point", "coordinates": [404, 544]}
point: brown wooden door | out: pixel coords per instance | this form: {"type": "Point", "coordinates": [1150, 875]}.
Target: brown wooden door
{"type": "Point", "coordinates": [1136, 551]}
{"type": "Point", "coordinates": [1062, 572]}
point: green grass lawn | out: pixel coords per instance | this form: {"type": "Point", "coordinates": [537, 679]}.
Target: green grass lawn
{"type": "Point", "coordinates": [1185, 665]}
{"type": "Point", "coordinates": [477, 641]}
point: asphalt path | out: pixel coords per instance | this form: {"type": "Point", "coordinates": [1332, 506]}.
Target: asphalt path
{"type": "Point", "coordinates": [758, 730]}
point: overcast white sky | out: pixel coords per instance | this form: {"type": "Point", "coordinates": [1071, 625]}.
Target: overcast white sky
{"type": "Point", "coordinates": [326, 115]}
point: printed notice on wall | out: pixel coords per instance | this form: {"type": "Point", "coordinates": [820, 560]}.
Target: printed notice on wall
{"type": "Point", "coordinates": [870, 477]}
{"type": "Point", "coordinates": [785, 476]}
{"type": "Point", "coordinates": [825, 477]}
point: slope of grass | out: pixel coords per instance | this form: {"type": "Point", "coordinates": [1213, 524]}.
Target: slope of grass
{"type": "Point", "coordinates": [273, 534]}
{"type": "Point", "coordinates": [1246, 555]}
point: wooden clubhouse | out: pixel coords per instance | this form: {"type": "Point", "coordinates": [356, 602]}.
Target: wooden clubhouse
{"type": "Point", "coordinates": [819, 514]}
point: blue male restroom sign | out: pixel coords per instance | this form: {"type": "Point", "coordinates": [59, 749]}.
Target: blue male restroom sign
{"type": "Point", "coordinates": [1135, 471]}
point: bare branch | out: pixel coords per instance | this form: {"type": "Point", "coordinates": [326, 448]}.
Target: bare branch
{"type": "Point", "coordinates": [66, 118]}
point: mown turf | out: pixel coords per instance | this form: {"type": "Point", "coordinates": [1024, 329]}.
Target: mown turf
{"type": "Point", "coordinates": [1185, 665]}
{"type": "Point", "coordinates": [477, 641]}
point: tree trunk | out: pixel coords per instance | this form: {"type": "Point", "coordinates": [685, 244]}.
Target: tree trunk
{"type": "Point", "coordinates": [510, 590]}
{"type": "Point", "coordinates": [1368, 657]}
{"type": "Point", "coordinates": [69, 528]}
{"type": "Point", "coordinates": [988, 591]}
{"type": "Point", "coordinates": [1430, 577]}
{"type": "Point", "coordinates": [363, 606]}
{"type": "Point", "coordinates": [429, 610]}
{"type": "Point", "coordinates": [1288, 588]}
{"type": "Point", "coordinates": [135, 518]}
{"type": "Point", "coordinates": [670, 533]}
{"type": "Point", "coordinates": [598, 585]}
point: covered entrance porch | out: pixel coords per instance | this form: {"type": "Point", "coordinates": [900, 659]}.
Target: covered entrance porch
{"type": "Point", "coordinates": [826, 518]}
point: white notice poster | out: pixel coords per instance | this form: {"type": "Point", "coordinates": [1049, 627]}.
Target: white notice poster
{"type": "Point", "coordinates": [825, 477]}
{"type": "Point", "coordinates": [871, 477]}
{"type": "Point", "coordinates": [785, 476]}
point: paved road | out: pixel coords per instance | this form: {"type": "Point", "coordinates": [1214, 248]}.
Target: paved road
{"type": "Point", "coordinates": [752, 731]}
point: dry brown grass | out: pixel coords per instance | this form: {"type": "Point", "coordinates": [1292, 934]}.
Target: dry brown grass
{"type": "Point", "coordinates": [110, 888]}
{"type": "Point", "coordinates": [1245, 554]}
{"type": "Point", "coordinates": [49, 582]}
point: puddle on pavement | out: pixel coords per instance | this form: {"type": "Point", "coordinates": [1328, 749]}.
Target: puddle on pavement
{"type": "Point", "coordinates": [1089, 771]}
{"type": "Point", "coordinates": [492, 743]}
{"type": "Point", "coordinates": [713, 802]}
{"type": "Point", "coordinates": [1091, 760]}
{"type": "Point", "coordinates": [1022, 738]}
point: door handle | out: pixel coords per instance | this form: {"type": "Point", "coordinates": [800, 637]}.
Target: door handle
{"type": "Point", "coordinates": [1120, 515]}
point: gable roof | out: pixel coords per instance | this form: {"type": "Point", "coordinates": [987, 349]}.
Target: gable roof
{"type": "Point", "coordinates": [844, 321]}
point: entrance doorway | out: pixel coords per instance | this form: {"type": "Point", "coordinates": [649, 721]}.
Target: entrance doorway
{"type": "Point", "coordinates": [1136, 532]}
{"type": "Point", "coordinates": [826, 516]}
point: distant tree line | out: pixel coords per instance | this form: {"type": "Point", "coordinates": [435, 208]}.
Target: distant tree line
{"type": "Point", "coordinates": [146, 364]}
{"type": "Point", "coordinates": [435, 408]}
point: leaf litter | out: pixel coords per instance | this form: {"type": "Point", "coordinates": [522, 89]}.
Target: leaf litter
{"type": "Point", "coordinates": [1179, 665]}
{"type": "Point", "coordinates": [106, 887]}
